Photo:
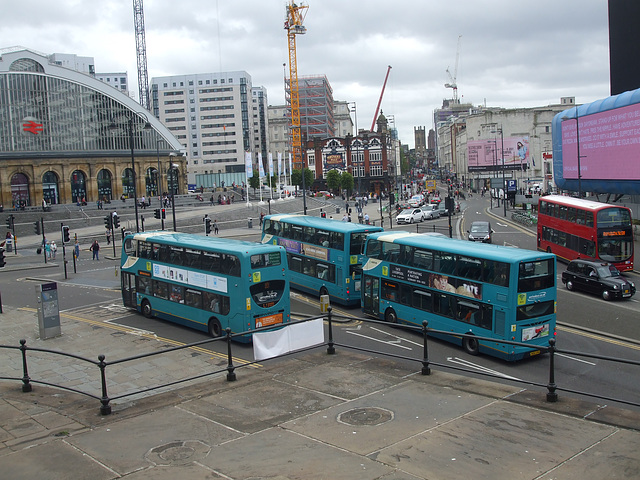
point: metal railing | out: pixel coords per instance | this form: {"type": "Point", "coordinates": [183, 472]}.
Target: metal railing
{"type": "Point", "coordinates": [102, 365]}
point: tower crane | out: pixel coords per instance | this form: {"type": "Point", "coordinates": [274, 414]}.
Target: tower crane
{"type": "Point", "coordinates": [375, 115]}
{"type": "Point", "coordinates": [294, 26]}
{"type": "Point", "coordinates": [452, 78]}
{"type": "Point", "coordinates": [141, 53]}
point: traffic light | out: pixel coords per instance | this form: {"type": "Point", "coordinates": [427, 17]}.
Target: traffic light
{"type": "Point", "coordinates": [116, 221]}
{"type": "Point", "coordinates": [36, 227]}
{"type": "Point", "coordinates": [10, 222]}
{"type": "Point", "coordinates": [156, 213]}
{"type": "Point", "coordinates": [65, 235]}
{"type": "Point", "coordinates": [392, 198]}
{"type": "Point", "coordinates": [164, 215]}
{"type": "Point", "coordinates": [3, 262]}
{"type": "Point", "coordinates": [207, 225]}
{"type": "Point", "coordinates": [107, 222]}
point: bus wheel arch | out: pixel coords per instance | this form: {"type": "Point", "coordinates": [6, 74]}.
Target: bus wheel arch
{"type": "Point", "coordinates": [391, 316]}
{"type": "Point", "coordinates": [471, 345]}
{"type": "Point", "coordinates": [323, 291]}
{"type": "Point", "coordinates": [146, 309]}
{"type": "Point", "coordinates": [215, 327]}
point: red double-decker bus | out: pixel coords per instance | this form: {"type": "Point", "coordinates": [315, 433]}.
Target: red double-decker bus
{"type": "Point", "coordinates": [575, 228]}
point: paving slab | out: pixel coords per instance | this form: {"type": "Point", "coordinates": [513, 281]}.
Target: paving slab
{"type": "Point", "coordinates": [500, 440]}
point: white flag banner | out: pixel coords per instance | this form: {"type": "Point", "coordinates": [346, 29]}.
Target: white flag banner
{"type": "Point", "coordinates": [280, 172]}
{"type": "Point", "coordinates": [287, 339]}
{"type": "Point", "coordinates": [248, 164]}
{"type": "Point", "coordinates": [270, 165]}
{"type": "Point", "coordinates": [290, 165]}
{"type": "Point", "coordinates": [260, 166]}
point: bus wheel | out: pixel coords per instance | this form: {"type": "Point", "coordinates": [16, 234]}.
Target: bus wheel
{"type": "Point", "coordinates": [390, 316]}
{"type": "Point", "coordinates": [215, 329]}
{"type": "Point", "coordinates": [471, 345]}
{"type": "Point", "coordinates": [146, 309]}
{"type": "Point", "coordinates": [548, 249]}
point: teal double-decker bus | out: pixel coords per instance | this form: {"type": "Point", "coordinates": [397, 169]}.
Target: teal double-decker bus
{"type": "Point", "coordinates": [460, 287]}
{"type": "Point", "coordinates": [209, 284]}
{"type": "Point", "coordinates": [325, 256]}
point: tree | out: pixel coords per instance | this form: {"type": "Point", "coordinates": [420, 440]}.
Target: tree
{"type": "Point", "coordinates": [296, 178]}
{"type": "Point", "coordinates": [254, 182]}
{"type": "Point", "coordinates": [333, 180]}
{"type": "Point", "coordinates": [346, 181]}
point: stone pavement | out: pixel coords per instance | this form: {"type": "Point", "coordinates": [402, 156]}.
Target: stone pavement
{"type": "Point", "coordinates": [312, 416]}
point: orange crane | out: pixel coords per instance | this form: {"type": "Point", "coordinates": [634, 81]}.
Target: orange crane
{"type": "Point", "coordinates": [294, 26]}
{"type": "Point", "coordinates": [375, 115]}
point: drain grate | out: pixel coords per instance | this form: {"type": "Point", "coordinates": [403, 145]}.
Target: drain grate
{"type": "Point", "coordinates": [366, 416]}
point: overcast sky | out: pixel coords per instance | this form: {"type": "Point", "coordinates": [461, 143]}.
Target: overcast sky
{"type": "Point", "coordinates": [521, 53]}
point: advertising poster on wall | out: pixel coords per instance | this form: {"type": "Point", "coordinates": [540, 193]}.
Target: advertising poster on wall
{"type": "Point", "coordinates": [487, 155]}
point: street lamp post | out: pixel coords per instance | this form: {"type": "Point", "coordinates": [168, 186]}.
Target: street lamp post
{"type": "Point", "coordinates": [158, 175]}
{"type": "Point", "coordinates": [504, 182]}
{"type": "Point", "coordinates": [130, 117]}
{"type": "Point", "coordinates": [357, 165]}
{"type": "Point", "coordinates": [173, 169]}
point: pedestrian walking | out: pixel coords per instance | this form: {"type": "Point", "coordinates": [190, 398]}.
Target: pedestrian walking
{"type": "Point", "coordinates": [95, 248]}
{"type": "Point", "coordinates": [47, 249]}
{"type": "Point", "coordinates": [76, 249]}
{"type": "Point", "coordinates": [54, 249]}
{"type": "Point", "coordinates": [215, 227]}
{"type": "Point", "coordinates": [108, 233]}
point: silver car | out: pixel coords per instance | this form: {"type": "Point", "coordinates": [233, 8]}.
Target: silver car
{"type": "Point", "coordinates": [412, 215]}
{"type": "Point", "coordinates": [431, 211]}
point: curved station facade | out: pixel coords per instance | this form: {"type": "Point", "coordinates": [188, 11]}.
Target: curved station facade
{"type": "Point", "coordinates": [66, 137]}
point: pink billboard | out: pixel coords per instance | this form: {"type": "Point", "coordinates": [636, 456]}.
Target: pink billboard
{"type": "Point", "coordinates": [486, 155]}
{"type": "Point", "coordinates": [609, 145]}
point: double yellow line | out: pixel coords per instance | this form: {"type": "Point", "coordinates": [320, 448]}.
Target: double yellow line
{"type": "Point", "coordinates": [140, 333]}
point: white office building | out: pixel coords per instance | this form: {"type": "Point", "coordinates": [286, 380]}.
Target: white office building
{"type": "Point", "coordinates": [211, 115]}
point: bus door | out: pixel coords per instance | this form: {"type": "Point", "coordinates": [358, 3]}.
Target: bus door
{"type": "Point", "coordinates": [129, 290]}
{"type": "Point", "coordinates": [371, 295]}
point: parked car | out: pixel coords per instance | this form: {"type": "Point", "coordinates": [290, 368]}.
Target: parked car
{"type": "Point", "coordinates": [430, 211]}
{"type": "Point", "coordinates": [480, 231]}
{"type": "Point", "coordinates": [410, 216]}
{"type": "Point", "coordinates": [600, 278]}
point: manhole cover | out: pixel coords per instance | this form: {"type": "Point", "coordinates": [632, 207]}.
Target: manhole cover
{"type": "Point", "coordinates": [366, 416]}
{"type": "Point", "coordinates": [178, 453]}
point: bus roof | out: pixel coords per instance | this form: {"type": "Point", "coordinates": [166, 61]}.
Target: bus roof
{"type": "Point", "coordinates": [326, 223]}
{"type": "Point", "coordinates": [578, 203]}
{"type": "Point", "coordinates": [190, 240]}
{"type": "Point", "coordinates": [461, 247]}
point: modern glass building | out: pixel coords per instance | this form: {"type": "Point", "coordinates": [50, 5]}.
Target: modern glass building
{"type": "Point", "coordinates": [66, 136]}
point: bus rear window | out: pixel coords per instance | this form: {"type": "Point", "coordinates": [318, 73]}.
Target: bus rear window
{"type": "Point", "coordinates": [527, 312]}
{"type": "Point", "coordinates": [536, 275]}
{"type": "Point", "coordinates": [263, 260]}
{"type": "Point", "coordinates": [267, 294]}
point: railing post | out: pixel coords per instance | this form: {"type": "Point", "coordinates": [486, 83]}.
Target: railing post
{"type": "Point", "coordinates": [330, 347]}
{"type": "Point", "coordinates": [105, 408]}
{"type": "Point", "coordinates": [26, 381]}
{"type": "Point", "coordinates": [552, 396]}
{"type": "Point", "coordinates": [426, 370]}
{"type": "Point", "coordinates": [231, 374]}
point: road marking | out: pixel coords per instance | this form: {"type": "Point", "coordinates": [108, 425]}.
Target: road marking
{"type": "Point", "coordinates": [396, 336]}
{"type": "Point", "coordinates": [574, 358]}
{"type": "Point", "coordinates": [149, 335]}
{"type": "Point", "coordinates": [480, 368]}
{"type": "Point", "coordinates": [393, 344]}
